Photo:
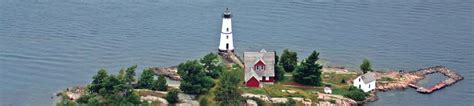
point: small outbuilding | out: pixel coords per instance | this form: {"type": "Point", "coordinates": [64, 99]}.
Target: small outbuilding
{"type": "Point", "coordinates": [327, 90]}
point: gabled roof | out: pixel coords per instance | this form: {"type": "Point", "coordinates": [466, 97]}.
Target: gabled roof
{"type": "Point", "coordinates": [251, 58]}
{"type": "Point", "coordinates": [258, 60]}
{"type": "Point", "coordinates": [251, 74]}
{"type": "Point", "coordinates": [368, 77]}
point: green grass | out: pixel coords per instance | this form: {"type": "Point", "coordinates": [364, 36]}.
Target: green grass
{"type": "Point", "coordinates": [388, 79]}
{"type": "Point", "coordinates": [340, 90]}
{"type": "Point", "coordinates": [335, 79]}
{"type": "Point", "coordinates": [253, 90]}
{"type": "Point", "coordinates": [276, 91]}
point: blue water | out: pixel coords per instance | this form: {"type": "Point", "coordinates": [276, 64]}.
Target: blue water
{"type": "Point", "coordinates": [48, 45]}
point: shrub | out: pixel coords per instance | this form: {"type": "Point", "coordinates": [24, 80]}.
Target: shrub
{"type": "Point", "coordinates": [356, 94]}
{"type": "Point", "coordinates": [343, 81]}
{"type": "Point", "coordinates": [172, 96]}
{"type": "Point", "coordinates": [160, 84]}
{"type": "Point", "coordinates": [203, 102]}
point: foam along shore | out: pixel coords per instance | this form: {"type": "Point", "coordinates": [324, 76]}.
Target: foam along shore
{"type": "Point", "coordinates": [409, 79]}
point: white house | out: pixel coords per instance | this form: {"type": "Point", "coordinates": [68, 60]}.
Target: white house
{"type": "Point", "coordinates": [366, 82]}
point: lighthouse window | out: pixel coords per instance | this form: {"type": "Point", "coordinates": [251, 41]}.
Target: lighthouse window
{"type": "Point", "coordinates": [227, 36]}
{"type": "Point", "coordinates": [227, 29]}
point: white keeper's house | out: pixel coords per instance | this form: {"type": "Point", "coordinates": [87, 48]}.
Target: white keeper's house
{"type": "Point", "coordinates": [366, 82]}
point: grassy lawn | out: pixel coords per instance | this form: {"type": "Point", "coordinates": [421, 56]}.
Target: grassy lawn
{"type": "Point", "coordinates": [340, 90]}
{"type": "Point", "coordinates": [336, 79]}
{"type": "Point", "coordinates": [253, 90]}
{"type": "Point", "coordinates": [388, 79]}
{"type": "Point", "coordinates": [276, 90]}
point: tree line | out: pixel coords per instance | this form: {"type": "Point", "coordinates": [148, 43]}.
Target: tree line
{"type": "Point", "coordinates": [109, 89]}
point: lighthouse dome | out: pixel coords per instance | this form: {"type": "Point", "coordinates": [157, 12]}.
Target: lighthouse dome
{"type": "Point", "coordinates": [227, 13]}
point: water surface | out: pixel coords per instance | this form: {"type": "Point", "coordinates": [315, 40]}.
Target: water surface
{"type": "Point", "coordinates": [48, 45]}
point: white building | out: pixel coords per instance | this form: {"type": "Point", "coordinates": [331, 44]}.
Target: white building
{"type": "Point", "coordinates": [327, 90]}
{"type": "Point", "coordinates": [366, 82]}
{"type": "Point", "coordinates": [226, 42]}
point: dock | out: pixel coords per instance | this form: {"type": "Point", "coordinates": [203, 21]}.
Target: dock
{"type": "Point", "coordinates": [452, 78]}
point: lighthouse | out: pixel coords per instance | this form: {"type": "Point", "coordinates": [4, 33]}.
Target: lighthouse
{"type": "Point", "coordinates": [226, 41]}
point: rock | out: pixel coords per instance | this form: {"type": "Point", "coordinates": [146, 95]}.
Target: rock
{"type": "Point", "coordinates": [261, 97]}
{"type": "Point", "coordinates": [279, 100]}
{"type": "Point", "coordinates": [187, 100]}
{"type": "Point", "coordinates": [170, 72]}
{"type": "Point", "coordinates": [250, 102]}
{"type": "Point", "coordinates": [163, 101]}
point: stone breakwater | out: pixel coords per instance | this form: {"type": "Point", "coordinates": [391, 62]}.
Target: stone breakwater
{"type": "Point", "coordinates": [403, 80]}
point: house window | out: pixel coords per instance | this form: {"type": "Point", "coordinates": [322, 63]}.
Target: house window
{"type": "Point", "coordinates": [369, 85]}
{"type": "Point", "coordinates": [360, 80]}
{"type": "Point", "coordinates": [359, 86]}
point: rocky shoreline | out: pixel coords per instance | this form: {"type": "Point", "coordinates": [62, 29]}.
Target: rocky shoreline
{"type": "Point", "coordinates": [399, 80]}
{"type": "Point", "coordinates": [170, 72]}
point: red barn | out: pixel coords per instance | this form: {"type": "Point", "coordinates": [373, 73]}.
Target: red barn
{"type": "Point", "coordinates": [259, 68]}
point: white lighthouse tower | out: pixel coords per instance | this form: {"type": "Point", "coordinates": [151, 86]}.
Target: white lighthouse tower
{"type": "Point", "coordinates": [226, 42]}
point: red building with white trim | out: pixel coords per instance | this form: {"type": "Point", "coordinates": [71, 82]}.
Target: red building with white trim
{"type": "Point", "coordinates": [259, 68]}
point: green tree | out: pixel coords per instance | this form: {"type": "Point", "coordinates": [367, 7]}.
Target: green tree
{"type": "Point", "coordinates": [109, 90]}
{"type": "Point", "coordinates": [211, 65]}
{"type": "Point", "coordinates": [84, 99]}
{"type": "Point", "coordinates": [122, 74]}
{"type": "Point", "coordinates": [130, 74]}
{"type": "Point", "coordinates": [133, 98]}
{"type": "Point", "coordinates": [160, 84]}
{"type": "Point", "coordinates": [109, 86]}
{"type": "Point", "coordinates": [309, 72]}
{"type": "Point", "coordinates": [146, 79]}
{"type": "Point", "coordinates": [366, 66]}
{"type": "Point", "coordinates": [227, 93]}
{"type": "Point", "coordinates": [279, 71]}
{"type": "Point", "coordinates": [172, 96]}
{"type": "Point", "coordinates": [98, 81]}
{"type": "Point", "coordinates": [288, 60]}
{"type": "Point", "coordinates": [195, 80]}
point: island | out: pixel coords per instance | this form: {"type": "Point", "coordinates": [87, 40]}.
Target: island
{"type": "Point", "coordinates": [255, 78]}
